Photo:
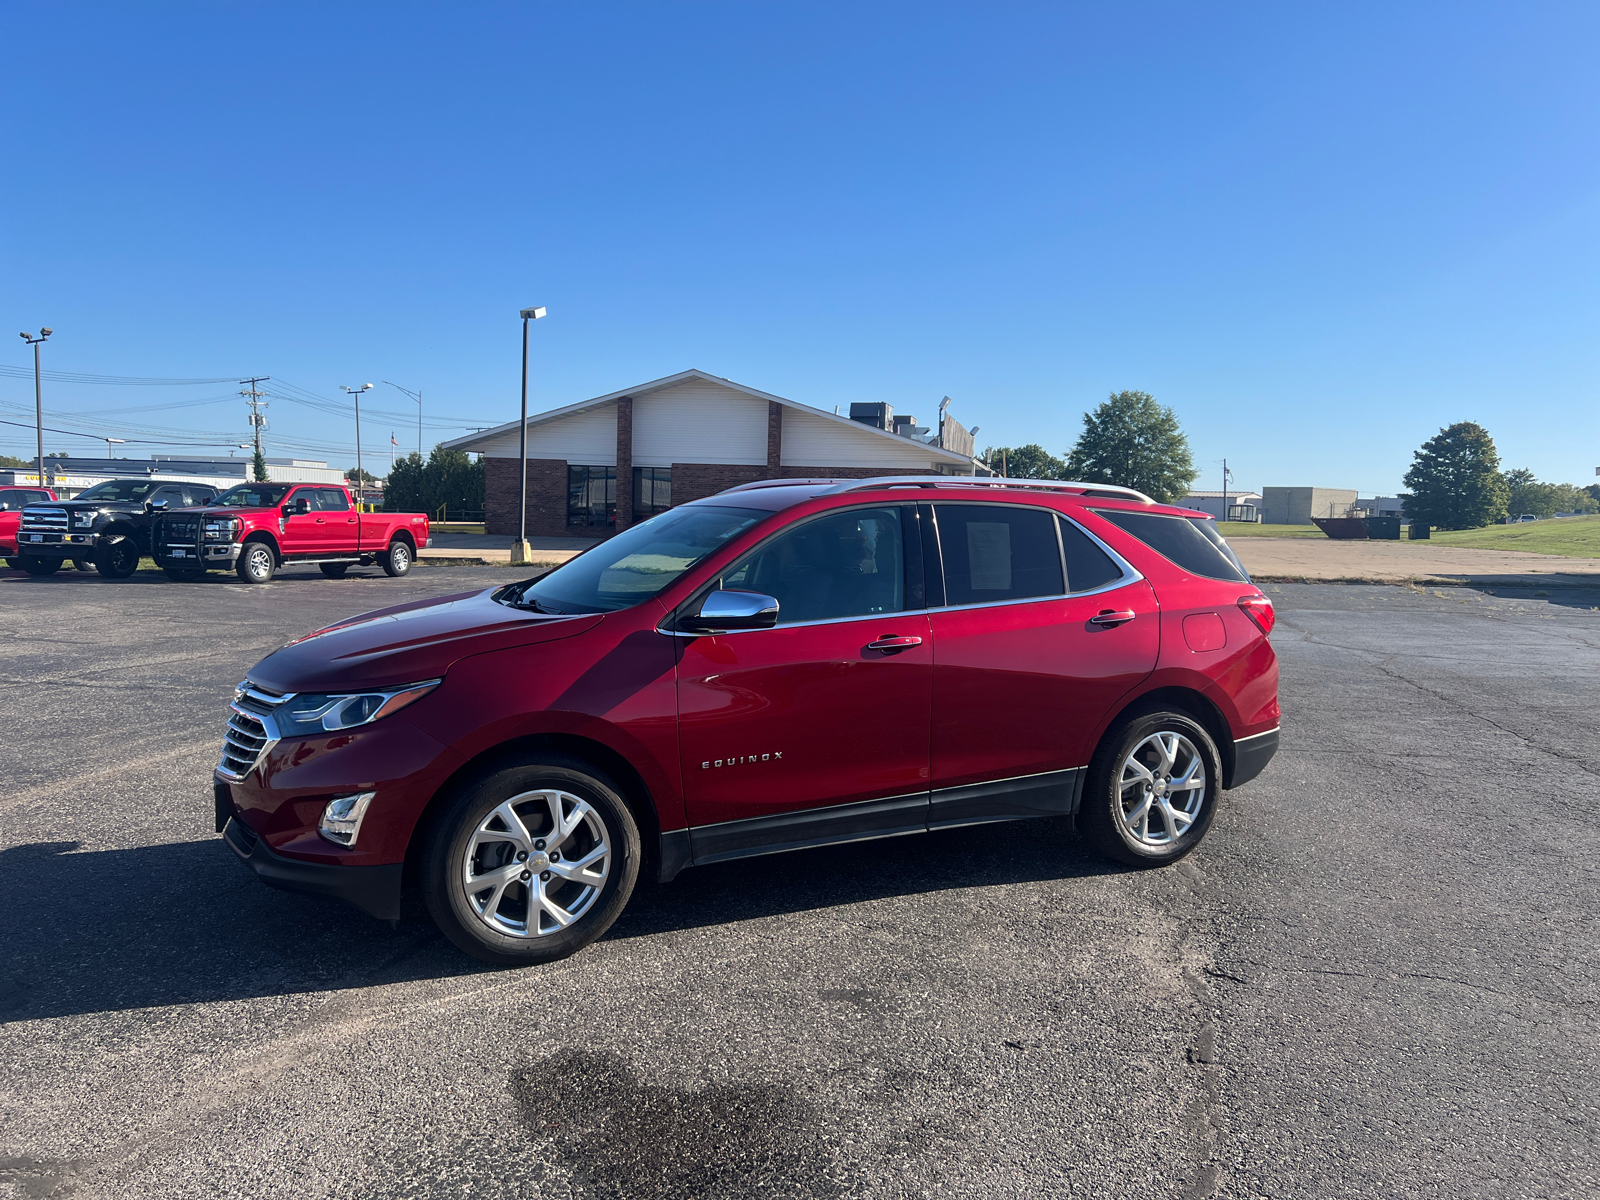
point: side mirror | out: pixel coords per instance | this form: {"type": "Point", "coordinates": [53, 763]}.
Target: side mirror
{"type": "Point", "coordinates": [732, 610]}
{"type": "Point", "coordinates": [158, 505]}
{"type": "Point", "coordinates": [302, 505]}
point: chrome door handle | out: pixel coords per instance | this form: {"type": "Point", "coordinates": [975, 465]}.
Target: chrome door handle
{"type": "Point", "coordinates": [1107, 619]}
{"type": "Point", "coordinates": [891, 643]}
{"type": "Point", "coordinates": [319, 521]}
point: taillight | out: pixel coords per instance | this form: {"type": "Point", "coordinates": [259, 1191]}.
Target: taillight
{"type": "Point", "coordinates": [1259, 609]}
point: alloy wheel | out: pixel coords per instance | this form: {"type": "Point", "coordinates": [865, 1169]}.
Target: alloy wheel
{"type": "Point", "coordinates": [258, 561]}
{"type": "Point", "coordinates": [1161, 789]}
{"type": "Point", "coordinates": [536, 863]}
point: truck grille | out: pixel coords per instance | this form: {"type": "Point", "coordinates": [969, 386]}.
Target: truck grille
{"type": "Point", "coordinates": [45, 520]}
{"type": "Point", "coordinates": [183, 531]}
{"type": "Point", "coordinates": [250, 733]}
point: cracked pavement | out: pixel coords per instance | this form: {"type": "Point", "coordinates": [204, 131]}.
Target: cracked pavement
{"type": "Point", "coordinates": [1377, 978]}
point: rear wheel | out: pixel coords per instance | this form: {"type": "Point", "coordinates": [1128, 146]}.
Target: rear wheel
{"type": "Point", "coordinates": [335, 570]}
{"type": "Point", "coordinates": [532, 863]}
{"type": "Point", "coordinates": [178, 575]}
{"type": "Point", "coordinates": [117, 556]}
{"type": "Point", "coordinates": [1152, 789]}
{"type": "Point", "coordinates": [36, 564]}
{"type": "Point", "coordinates": [257, 563]}
{"type": "Point", "coordinates": [398, 561]}
{"type": "Point", "coordinates": [83, 564]}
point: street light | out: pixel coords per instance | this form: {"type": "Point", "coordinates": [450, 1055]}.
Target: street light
{"type": "Point", "coordinates": [111, 441]}
{"type": "Point", "coordinates": [520, 554]}
{"type": "Point", "coordinates": [417, 396]}
{"type": "Point", "coordinates": [355, 394]}
{"type": "Point", "coordinates": [38, 393]}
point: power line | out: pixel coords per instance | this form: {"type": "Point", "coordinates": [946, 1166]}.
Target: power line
{"type": "Point", "coordinates": [112, 380]}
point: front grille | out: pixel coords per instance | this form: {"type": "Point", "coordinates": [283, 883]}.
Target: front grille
{"type": "Point", "coordinates": [45, 520]}
{"type": "Point", "coordinates": [242, 745]}
{"type": "Point", "coordinates": [257, 698]}
{"type": "Point", "coordinates": [183, 531]}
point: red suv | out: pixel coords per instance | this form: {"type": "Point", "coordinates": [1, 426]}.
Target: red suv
{"type": "Point", "coordinates": [786, 664]}
{"type": "Point", "coordinates": [13, 499]}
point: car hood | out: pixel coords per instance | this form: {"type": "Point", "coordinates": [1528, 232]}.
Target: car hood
{"type": "Point", "coordinates": [408, 643]}
{"type": "Point", "coordinates": [91, 505]}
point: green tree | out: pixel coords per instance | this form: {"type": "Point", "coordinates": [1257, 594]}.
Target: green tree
{"type": "Point", "coordinates": [1032, 461]}
{"type": "Point", "coordinates": [1593, 492]}
{"type": "Point", "coordinates": [8, 461]}
{"type": "Point", "coordinates": [366, 475]}
{"type": "Point", "coordinates": [448, 479]}
{"type": "Point", "coordinates": [1525, 494]}
{"type": "Point", "coordinates": [259, 465]}
{"type": "Point", "coordinates": [1132, 440]}
{"type": "Point", "coordinates": [1455, 481]}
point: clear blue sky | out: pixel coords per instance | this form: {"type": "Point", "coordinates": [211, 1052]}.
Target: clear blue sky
{"type": "Point", "coordinates": [1317, 233]}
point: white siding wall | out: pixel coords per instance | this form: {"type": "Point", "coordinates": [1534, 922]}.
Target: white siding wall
{"type": "Point", "coordinates": [587, 438]}
{"type": "Point", "coordinates": [811, 440]}
{"type": "Point", "coordinates": [698, 422]}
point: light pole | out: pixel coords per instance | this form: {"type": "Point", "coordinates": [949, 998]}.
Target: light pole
{"type": "Point", "coordinates": [417, 396]}
{"type": "Point", "coordinates": [355, 394]}
{"type": "Point", "coordinates": [520, 554]}
{"type": "Point", "coordinates": [111, 441]}
{"type": "Point", "coordinates": [38, 393]}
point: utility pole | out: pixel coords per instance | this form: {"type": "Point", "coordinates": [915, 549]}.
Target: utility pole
{"type": "Point", "coordinates": [256, 403]}
{"type": "Point", "coordinates": [38, 393]}
{"type": "Point", "coordinates": [417, 396]}
{"type": "Point", "coordinates": [1224, 489]}
{"type": "Point", "coordinates": [520, 553]}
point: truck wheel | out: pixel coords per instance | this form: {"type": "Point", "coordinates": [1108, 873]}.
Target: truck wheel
{"type": "Point", "coordinates": [335, 570]}
{"type": "Point", "coordinates": [35, 564]}
{"type": "Point", "coordinates": [83, 564]}
{"type": "Point", "coordinates": [183, 576]}
{"type": "Point", "coordinates": [398, 561]}
{"type": "Point", "coordinates": [531, 864]}
{"type": "Point", "coordinates": [14, 562]}
{"type": "Point", "coordinates": [257, 563]}
{"type": "Point", "coordinates": [116, 557]}
{"type": "Point", "coordinates": [1152, 789]}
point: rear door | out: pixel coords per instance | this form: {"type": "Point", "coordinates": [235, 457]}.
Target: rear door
{"type": "Point", "coordinates": [1043, 629]}
{"type": "Point", "coordinates": [816, 730]}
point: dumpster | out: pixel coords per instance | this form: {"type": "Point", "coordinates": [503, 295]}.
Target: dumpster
{"type": "Point", "coordinates": [1421, 531]}
{"type": "Point", "coordinates": [1382, 528]}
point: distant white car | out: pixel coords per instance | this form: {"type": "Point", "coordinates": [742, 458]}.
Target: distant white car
{"type": "Point", "coordinates": [1523, 519]}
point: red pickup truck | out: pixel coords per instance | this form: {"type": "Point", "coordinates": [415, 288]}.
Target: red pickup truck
{"type": "Point", "coordinates": [256, 528]}
{"type": "Point", "coordinates": [12, 498]}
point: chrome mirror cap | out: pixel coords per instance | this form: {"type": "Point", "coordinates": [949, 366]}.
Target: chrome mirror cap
{"type": "Point", "coordinates": [732, 610]}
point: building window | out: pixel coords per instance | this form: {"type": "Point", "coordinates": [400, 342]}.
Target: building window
{"type": "Point", "coordinates": [652, 491]}
{"type": "Point", "coordinates": [592, 497]}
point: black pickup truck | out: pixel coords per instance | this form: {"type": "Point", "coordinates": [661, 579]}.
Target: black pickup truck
{"type": "Point", "coordinates": [108, 525]}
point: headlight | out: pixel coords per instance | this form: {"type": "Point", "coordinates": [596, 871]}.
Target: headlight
{"type": "Point", "coordinates": [327, 712]}
{"type": "Point", "coordinates": [83, 520]}
{"type": "Point", "coordinates": [222, 531]}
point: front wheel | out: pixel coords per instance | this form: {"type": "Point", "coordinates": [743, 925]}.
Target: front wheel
{"type": "Point", "coordinates": [1152, 789]}
{"type": "Point", "coordinates": [398, 561]}
{"type": "Point", "coordinates": [14, 562]}
{"type": "Point", "coordinates": [37, 564]}
{"type": "Point", "coordinates": [83, 564]}
{"type": "Point", "coordinates": [532, 863]}
{"type": "Point", "coordinates": [179, 575]}
{"type": "Point", "coordinates": [257, 563]}
{"type": "Point", "coordinates": [116, 557]}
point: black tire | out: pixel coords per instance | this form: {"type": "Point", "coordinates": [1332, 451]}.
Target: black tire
{"type": "Point", "coordinates": [1108, 802]}
{"type": "Point", "coordinates": [397, 561]}
{"type": "Point", "coordinates": [117, 556]}
{"type": "Point", "coordinates": [14, 562]}
{"type": "Point", "coordinates": [445, 854]}
{"type": "Point", "coordinates": [182, 575]}
{"type": "Point", "coordinates": [257, 563]}
{"type": "Point", "coordinates": [334, 570]}
{"type": "Point", "coordinates": [83, 564]}
{"type": "Point", "coordinates": [38, 564]}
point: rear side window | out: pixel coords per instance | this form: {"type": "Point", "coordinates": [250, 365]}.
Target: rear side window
{"type": "Point", "coordinates": [1178, 541]}
{"type": "Point", "coordinates": [1088, 566]}
{"type": "Point", "coordinates": [998, 553]}
{"type": "Point", "coordinates": [333, 500]}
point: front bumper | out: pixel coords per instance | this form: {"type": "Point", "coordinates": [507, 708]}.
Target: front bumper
{"type": "Point", "coordinates": [1251, 756]}
{"type": "Point", "coordinates": [56, 545]}
{"type": "Point", "coordinates": [374, 890]}
{"type": "Point", "coordinates": [185, 554]}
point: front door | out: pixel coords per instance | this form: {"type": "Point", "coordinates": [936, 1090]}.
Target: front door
{"type": "Point", "coordinates": [816, 730]}
{"type": "Point", "coordinates": [1025, 674]}
{"type": "Point", "coordinates": [302, 535]}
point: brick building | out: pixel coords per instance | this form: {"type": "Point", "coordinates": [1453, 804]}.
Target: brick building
{"type": "Point", "coordinates": [600, 465]}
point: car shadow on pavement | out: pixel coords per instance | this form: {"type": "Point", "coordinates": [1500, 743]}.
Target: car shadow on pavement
{"type": "Point", "coordinates": [111, 930]}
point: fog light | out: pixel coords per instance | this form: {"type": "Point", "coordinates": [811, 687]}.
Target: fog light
{"type": "Point", "coordinates": [341, 820]}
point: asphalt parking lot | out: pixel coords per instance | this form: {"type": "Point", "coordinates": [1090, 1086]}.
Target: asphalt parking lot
{"type": "Point", "coordinates": [1378, 977]}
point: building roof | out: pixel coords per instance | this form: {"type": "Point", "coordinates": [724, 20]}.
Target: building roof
{"type": "Point", "coordinates": [1231, 492]}
{"type": "Point", "coordinates": [473, 440]}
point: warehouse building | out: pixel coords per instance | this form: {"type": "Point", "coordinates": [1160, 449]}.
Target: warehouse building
{"type": "Point", "coordinates": [602, 464]}
{"type": "Point", "coordinates": [1297, 505]}
{"type": "Point", "coordinates": [1235, 505]}
{"type": "Point", "coordinates": [71, 475]}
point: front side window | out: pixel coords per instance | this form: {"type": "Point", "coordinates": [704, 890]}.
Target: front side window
{"type": "Point", "coordinates": [1193, 545]}
{"type": "Point", "coordinates": [636, 564]}
{"type": "Point", "coordinates": [119, 491]}
{"type": "Point", "coordinates": [652, 491]}
{"type": "Point", "coordinates": [592, 497]}
{"type": "Point", "coordinates": [847, 564]}
{"type": "Point", "coordinates": [253, 495]}
{"type": "Point", "coordinates": [994, 552]}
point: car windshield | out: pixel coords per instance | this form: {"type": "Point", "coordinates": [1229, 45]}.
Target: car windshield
{"type": "Point", "coordinates": [635, 565]}
{"type": "Point", "coordinates": [119, 490]}
{"type": "Point", "coordinates": [253, 495]}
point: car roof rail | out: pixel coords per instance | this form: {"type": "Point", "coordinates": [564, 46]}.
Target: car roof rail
{"type": "Point", "coordinates": [772, 483]}
{"type": "Point", "coordinates": [1106, 491]}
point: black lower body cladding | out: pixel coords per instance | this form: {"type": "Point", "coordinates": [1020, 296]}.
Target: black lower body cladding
{"type": "Point", "coordinates": [374, 890]}
{"type": "Point", "coordinates": [1251, 756]}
